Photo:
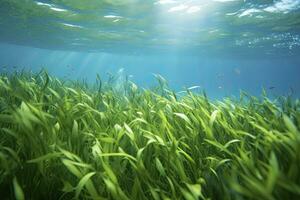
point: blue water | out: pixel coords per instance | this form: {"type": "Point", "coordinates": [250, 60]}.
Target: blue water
{"type": "Point", "coordinates": [223, 46]}
{"type": "Point", "coordinates": [219, 77]}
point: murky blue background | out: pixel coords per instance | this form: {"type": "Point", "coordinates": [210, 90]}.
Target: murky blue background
{"type": "Point", "coordinates": [220, 77]}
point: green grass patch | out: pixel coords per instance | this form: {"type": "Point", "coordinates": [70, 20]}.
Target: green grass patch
{"type": "Point", "coordinates": [63, 140]}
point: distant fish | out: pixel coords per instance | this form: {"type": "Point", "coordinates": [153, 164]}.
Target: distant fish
{"type": "Point", "coordinates": [237, 71]}
{"type": "Point", "coordinates": [220, 87]}
{"type": "Point", "coordinates": [271, 88]}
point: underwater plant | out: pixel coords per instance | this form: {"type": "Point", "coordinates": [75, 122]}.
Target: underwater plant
{"type": "Point", "coordinates": [68, 140]}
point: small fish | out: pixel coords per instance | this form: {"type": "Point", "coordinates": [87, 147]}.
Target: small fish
{"type": "Point", "coordinates": [220, 87]}
{"type": "Point", "coordinates": [271, 88]}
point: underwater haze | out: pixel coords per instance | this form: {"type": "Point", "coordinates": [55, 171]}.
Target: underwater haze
{"type": "Point", "coordinates": [223, 46]}
{"type": "Point", "coordinates": [150, 99]}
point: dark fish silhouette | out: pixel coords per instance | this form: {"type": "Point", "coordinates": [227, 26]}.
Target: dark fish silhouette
{"type": "Point", "coordinates": [271, 88]}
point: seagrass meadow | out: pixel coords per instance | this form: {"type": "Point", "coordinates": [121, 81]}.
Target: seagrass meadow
{"type": "Point", "coordinates": [68, 140]}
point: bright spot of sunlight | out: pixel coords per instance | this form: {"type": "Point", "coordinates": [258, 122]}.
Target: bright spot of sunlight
{"type": "Point", "coordinates": [180, 7]}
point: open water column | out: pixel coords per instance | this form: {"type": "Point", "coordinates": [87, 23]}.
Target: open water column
{"type": "Point", "coordinates": [150, 99]}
